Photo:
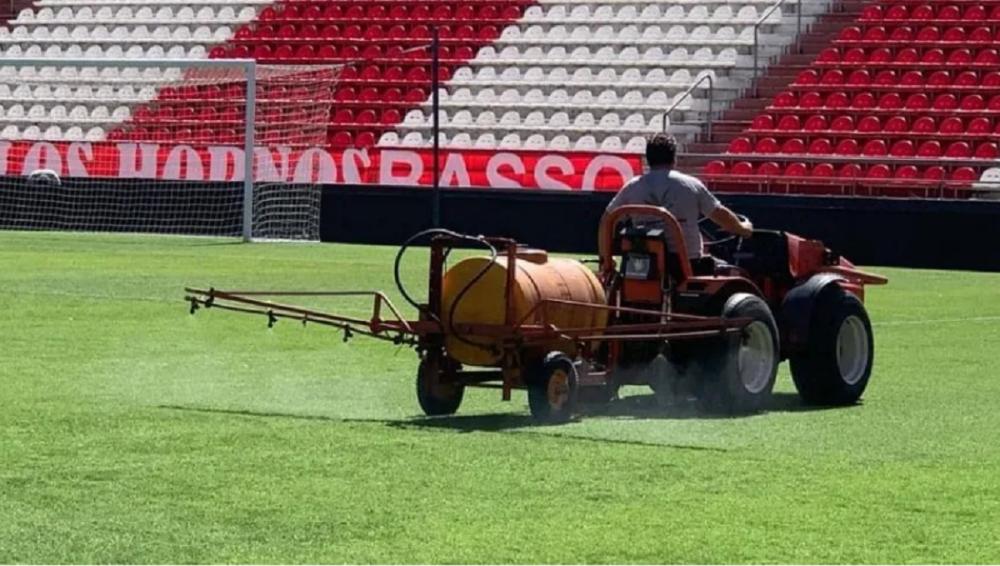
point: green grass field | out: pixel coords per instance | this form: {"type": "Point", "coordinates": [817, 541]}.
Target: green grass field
{"type": "Point", "coordinates": [133, 432]}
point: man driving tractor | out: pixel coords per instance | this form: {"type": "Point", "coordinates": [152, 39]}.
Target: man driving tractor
{"type": "Point", "coordinates": [682, 195]}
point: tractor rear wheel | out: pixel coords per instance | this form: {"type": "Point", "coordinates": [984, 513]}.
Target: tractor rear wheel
{"type": "Point", "coordinates": [436, 395]}
{"type": "Point", "coordinates": [739, 369]}
{"type": "Point", "coordinates": [553, 389]}
{"type": "Point", "coordinates": [836, 363]}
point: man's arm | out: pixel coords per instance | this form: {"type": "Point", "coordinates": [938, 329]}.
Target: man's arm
{"type": "Point", "coordinates": [731, 223]}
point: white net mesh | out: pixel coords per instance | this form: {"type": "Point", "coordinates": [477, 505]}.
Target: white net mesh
{"type": "Point", "coordinates": [160, 147]}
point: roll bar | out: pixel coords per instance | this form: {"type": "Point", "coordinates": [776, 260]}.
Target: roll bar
{"type": "Point", "coordinates": [606, 235]}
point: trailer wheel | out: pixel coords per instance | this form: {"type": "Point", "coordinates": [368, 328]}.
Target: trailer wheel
{"type": "Point", "coordinates": [739, 370]}
{"type": "Point", "coordinates": [436, 396]}
{"type": "Point", "coordinates": [552, 389]}
{"type": "Point", "coordinates": [836, 364]}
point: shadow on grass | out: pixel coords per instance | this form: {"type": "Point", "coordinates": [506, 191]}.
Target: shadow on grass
{"type": "Point", "coordinates": [649, 407]}
{"type": "Point", "coordinates": [636, 407]}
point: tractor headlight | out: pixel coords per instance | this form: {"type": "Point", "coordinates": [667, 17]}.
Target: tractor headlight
{"type": "Point", "coordinates": [637, 266]}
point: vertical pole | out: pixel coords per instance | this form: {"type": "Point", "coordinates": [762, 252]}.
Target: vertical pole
{"type": "Point", "coordinates": [756, 50]}
{"type": "Point", "coordinates": [711, 105]}
{"type": "Point", "coordinates": [435, 130]}
{"type": "Point", "coordinates": [249, 119]}
{"type": "Point", "coordinates": [798, 34]}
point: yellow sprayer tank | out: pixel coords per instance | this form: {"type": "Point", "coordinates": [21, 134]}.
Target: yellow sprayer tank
{"type": "Point", "coordinates": [538, 277]}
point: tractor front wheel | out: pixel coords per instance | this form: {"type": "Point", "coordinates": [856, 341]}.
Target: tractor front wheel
{"type": "Point", "coordinates": [436, 394]}
{"type": "Point", "coordinates": [836, 363]}
{"type": "Point", "coordinates": [740, 369]}
{"type": "Point", "coordinates": [552, 389]}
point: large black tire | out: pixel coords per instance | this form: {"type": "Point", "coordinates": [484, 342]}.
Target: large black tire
{"type": "Point", "coordinates": [436, 396]}
{"type": "Point", "coordinates": [836, 364]}
{"type": "Point", "coordinates": [553, 389]}
{"type": "Point", "coordinates": [739, 370]}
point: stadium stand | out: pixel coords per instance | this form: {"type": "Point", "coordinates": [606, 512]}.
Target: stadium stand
{"type": "Point", "coordinates": [904, 100]}
{"type": "Point", "coordinates": [901, 92]}
{"type": "Point", "coordinates": [492, 52]}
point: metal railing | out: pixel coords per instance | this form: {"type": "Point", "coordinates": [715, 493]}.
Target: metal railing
{"type": "Point", "coordinates": [756, 35]}
{"type": "Point", "coordinates": [688, 94]}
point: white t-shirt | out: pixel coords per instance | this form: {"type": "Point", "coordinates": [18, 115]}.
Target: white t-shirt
{"type": "Point", "coordinates": [684, 196]}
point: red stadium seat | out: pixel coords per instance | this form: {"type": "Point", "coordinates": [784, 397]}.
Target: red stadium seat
{"type": "Point", "coordinates": [907, 172]}
{"type": "Point", "coordinates": [930, 149]}
{"type": "Point", "coordinates": [967, 174]}
{"type": "Point", "coordinates": [928, 34]}
{"type": "Point", "coordinates": [837, 100]}
{"type": "Point", "coordinates": [972, 102]}
{"type": "Point", "coordinates": [832, 77]}
{"type": "Point", "coordinates": [852, 33]}
{"type": "Point", "coordinates": [987, 150]}
{"type": "Point", "coordinates": [793, 146]}
{"type": "Point", "coordinates": [785, 100]}
{"type": "Point", "coordinates": [740, 145]}
{"type": "Point", "coordinates": [879, 171]}
{"type": "Point", "coordinates": [875, 148]}
{"type": "Point", "coordinates": [912, 78]}
{"type": "Point", "coordinates": [901, 33]}
{"type": "Point", "coordinates": [939, 78]}
{"type": "Point", "coordinates": [789, 123]}
{"type": "Point", "coordinates": [934, 173]}
{"type": "Point", "coordinates": [766, 145]}
{"type": "Point", "coordinates": [876, 33]}
{"type": "Point", "coordinates": [715, 168]}
{"type": "Point", "coordinates": [907, 56]}
{"type": "Point", "coordinates": [796, 170]}
{"type": "Point", "coordinates": [933, 57]}
{"type": "Point", "coordinates": [880, 55]}
{"type": "Point", "coordinates": [842, 124]}
{"type": "Point", "coordinates": [742, 168]}
{"type": "Point", "coordinates": [954, 34]}
{"type": "Point", "coordinates": [815, 123]}
{"type": "Point", "coordinates": [849, 171]}
{"type": "Point", "coordinates": [863, 100]}
{"type": "Point", "coordinates": [859, 77]}
{"type": "Point", "coordinates": [856, 55]}
{"type": "Point", "coordinates": [896, 125]}
{"type": "Point", "coordinates": [945, 101]}
{"type": "Point", "coordinates": [967, 78]}
{"type": "Point", "coordinates": [763, 122]}
{"type": "Point", "coordinates": [769, 169]}
{"type": "Point", "coordinates": [952, 126]}
{"type": "Point", "coordinates": [871, 12]}
{"type": "Point", "coordinates": [820, 146]}
{"type": "Point", "coordinates": [885, 77]}
{"type": "Point", "coordinates": [917, 101]}
{"type": "Point", "coordinates": [958, 150]}
{"type": "Point", "coordinates": [829, 55]}
{"type": "Point", "coordinates": [870, 124]}
{"type": "Point", "coordinates": [848, 146]}
{"type": "Point", "coordinates": [890, 101]}
{"type": "Point", "coordinates": [979, 126]}
{"type": "Point", "coordinates": [811, 100]}
{"type": "Point", "coordinates": [822, 170]}
{"type": "Point", "coordinates": [902, 148]}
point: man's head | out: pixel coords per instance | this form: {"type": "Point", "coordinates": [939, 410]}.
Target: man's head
{"type": "Point", "coordinates": [661, 151]}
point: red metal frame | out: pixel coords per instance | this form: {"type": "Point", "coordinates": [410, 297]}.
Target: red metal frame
{"type": "Point", "coordinates": [519, 338]}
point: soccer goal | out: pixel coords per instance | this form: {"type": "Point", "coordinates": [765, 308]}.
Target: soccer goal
{"type": "Point", "coordinates": [204, 147]}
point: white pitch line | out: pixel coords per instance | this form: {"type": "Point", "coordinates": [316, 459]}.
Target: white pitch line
{"type": "Point", "coordinates": [937, 321]}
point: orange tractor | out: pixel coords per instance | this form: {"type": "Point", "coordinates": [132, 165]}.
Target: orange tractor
{"type": "Point", "coordinates": [519, 319]}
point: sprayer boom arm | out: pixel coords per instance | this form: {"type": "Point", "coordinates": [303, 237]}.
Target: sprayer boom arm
{"type": "Point", "coordinates": [394, 329]}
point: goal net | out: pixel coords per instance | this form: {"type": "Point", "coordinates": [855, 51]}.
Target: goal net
{"type": "Point", "coordinates": [162, 146]}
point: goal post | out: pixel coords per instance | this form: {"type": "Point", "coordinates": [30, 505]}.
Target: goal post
{"type": "Point", "coordinates": [199, 146]}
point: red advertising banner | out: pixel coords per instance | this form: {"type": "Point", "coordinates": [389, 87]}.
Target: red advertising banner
{"type": "Point", "coordinates": [374, 166]}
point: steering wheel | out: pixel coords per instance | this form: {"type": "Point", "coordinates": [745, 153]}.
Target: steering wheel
{"type": "Point", "coordinates": [718, 242]}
